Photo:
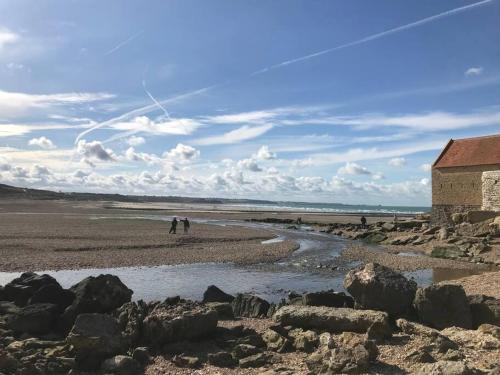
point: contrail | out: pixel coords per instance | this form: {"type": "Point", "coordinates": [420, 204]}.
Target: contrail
{"type": "Point", "coordinates": [125, 42]}
{"type": "Point", "coordinates": [154, 99]}
{"type": "Point", "coordinates": [146, 109]}
{"type": "Point", "coordinates": [374, 36]}
{"type": "Point", "coordinates": [149, 108]}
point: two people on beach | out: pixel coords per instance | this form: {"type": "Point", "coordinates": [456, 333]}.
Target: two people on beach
{"type": "Point", "coordinates": [173, 226]}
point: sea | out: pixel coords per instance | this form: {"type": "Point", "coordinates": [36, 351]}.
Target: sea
{"type": "Point", "coordinates": [331, 208]}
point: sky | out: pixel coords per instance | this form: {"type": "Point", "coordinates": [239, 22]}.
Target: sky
{"type": "Point", "coordinates": [318, 101]}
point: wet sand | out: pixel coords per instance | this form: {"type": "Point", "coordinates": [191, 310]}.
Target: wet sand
{"type": "Point", "coordinates": [55, 240]}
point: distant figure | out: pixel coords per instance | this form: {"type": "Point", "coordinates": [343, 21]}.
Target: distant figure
{"type": "Point", "coordinates": [363, 222]}
{"type": "Point", "coordinates": [395, 218]}
{"type": "Point", "coordinates": [173, 227]}
{"type": "Point", "coordinates": [299, 220]}
{"type": "Point", "coordinates": [186, 225]}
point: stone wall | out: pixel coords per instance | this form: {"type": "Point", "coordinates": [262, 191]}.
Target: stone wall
{"type": "Point", "coordinates": [441, 214]}
{"type": "Point", "coordinates": [460, 189]}
{"type": "Point", "coordinates": [491, 190]}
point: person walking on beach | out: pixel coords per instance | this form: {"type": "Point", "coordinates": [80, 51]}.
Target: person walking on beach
{"type": "Point", "coordinates": [363, 222]}
{"type": "Point", "coordinates": [186, 225]}
{"type": "Point", "coordinates": [173, 227]}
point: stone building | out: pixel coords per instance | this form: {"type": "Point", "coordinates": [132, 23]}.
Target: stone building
{"type": "Point", "coordinates": [466, 177]}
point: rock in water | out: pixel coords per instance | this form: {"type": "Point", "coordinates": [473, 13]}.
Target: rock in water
{"type": "Point", "coordinates": [330, 319]}
{"type": "Point", "coordinates": [101, 294]}
{"type": "Point", "coordinates": [250, 306]}
{"type": "Point", "coordinates": [184, 321]}
{"type": "Point", "coordinates": [95, 337]}
{"type": "Point", "coordinates": [442, 306]}
{"type": "Point", "coordinates": [379, 288]}
{"type": "Point", "coordinates": [484, 309]}
{"type": "Point", "coordinates": [214, 294]}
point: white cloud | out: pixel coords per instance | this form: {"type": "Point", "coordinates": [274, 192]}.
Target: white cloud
{"type": "Point", "coordinates": [143, 124]}
{"type": "Point", "coordinates": [94, 151]}
{"type": "Point", "coordinates": [353, 169]}
{"type": "Point", "coordinates": [397, 162]}
{"type": "Point", "coordinates": [132, 155]}
{"type": "Point", "coordinates": [7, 37]}
{"type": "Point", "coordinates": [474, 71]}
{"type": "Point", "coordinates": [135, 141]}
{"type": "Point", "coordinates": [244, 117]}
{"type": "Point", "coordinates": [182, 153]}
{"type": "Point", "coordinates": [426, 167]}
{"type": "Point", "coordinates": [378, 176]}
{"type": "Point", "coordinates": [15, 103]}
{"type": "Point", "coordinates": [264, 154]}
{"type": "Point", "coordinates": [235, 136]}
{"type": "Point", "coordinates": [42, 142]}
{"type": "Point", "coordinates": [250, 165]}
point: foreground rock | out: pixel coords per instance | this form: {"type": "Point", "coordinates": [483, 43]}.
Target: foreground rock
{"type": "Point", "coordinates": [183, 321]}
{"type": "Point", "coordinates": [445, 368]}
{"type": "Point", "coordinates": [442, 306]}
{"type": "Point", "coordinates": [95, 337]}
{"type": "Point", "coordinates": [379, 288]}
{"type": "Point", "coordinates": [331, 319]}
{"type": "Point", "coordinates": [101, 294]}
{"type": "Point", "coordinates": [484, 309]}
{"type": "Point", "coordinates": [250, 306]}
{"type": "Point", "coordinates": [327, 298]}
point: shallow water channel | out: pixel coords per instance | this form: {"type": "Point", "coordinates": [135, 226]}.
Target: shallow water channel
{"type": "Point", "coordinates": [311, 267]}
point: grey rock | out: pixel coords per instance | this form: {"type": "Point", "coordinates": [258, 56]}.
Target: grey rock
{"type": "Point", "coordinates": [257, 360]}
{"type": "Point", "coordinates": [379, 288]}
{"type": "Point", "coordinates": [448, 251]}
{"type": "Point", "coordinates": [224, 310]}
{"type": "Point", "coordinates": [250, 306]}
{"type": "Point", "coordinates": [221, 359]}
{"type": "Point", "coordinates": [101, 294]}
{"type": "Point", "coordinates": [444, 368]}
{"type": "Point", "coordinates": [141, 355]}
{"type": "Point", "coordinates": [94, 338]}
{"type": "Point", "coordinates": [38, 318]}
{"type": "Point", "coordinates": [184, 321]}
{"type": "Point", "coordinates": [275, 342]}
{"type": "Point", "coordinates": [244, 350]}
{"type": "Point", "coordinates": [186, 361]}
{"type": "Point", "coordinates": [484, 309]}
{"type": "Point", "coordinates": [442, 306]}
{"type": "Point", "coordinates": [304, 341]}
{"type": "Point", "coordinates": [375, 237]}
{"type": "Point", "coordinates": [327, 298]}
{"type": "Point", "coordinates": [330, 319]}
{"type": "Point", "coordinates": [214, 294]}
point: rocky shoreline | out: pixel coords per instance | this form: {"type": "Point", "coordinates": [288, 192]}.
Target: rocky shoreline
{"type": "Point", "coordinates": [386, 325]}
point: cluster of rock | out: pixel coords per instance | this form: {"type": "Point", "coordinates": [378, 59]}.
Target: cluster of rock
{"type": "Point", "coordinates": [94, 326]}
{"type": "Point", "coordinates": [468, 239]}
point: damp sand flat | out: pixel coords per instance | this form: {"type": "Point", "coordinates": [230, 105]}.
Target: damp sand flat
{"type": "Point", "coordinates": [43, 241]}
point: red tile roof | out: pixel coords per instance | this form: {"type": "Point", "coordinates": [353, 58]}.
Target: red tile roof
{"type": "Point", "coordinates": [470, 151]}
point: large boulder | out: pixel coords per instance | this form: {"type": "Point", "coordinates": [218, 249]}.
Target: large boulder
{"type": "Point", "coordinates": [214, 294]}
{"type": "Point", "coordinates": [330, 319]}
{"type": "Point", "coordinates": [94, 338]}
{"type": "Point", "coordinates": [53, 293]}
{"type": "Point", "coordinates": [38, 318]}
{"type": "Point", "coordinates": [377, 287]}
{"type": "Point", "coordinates": [22, 288]}
{"type": "Point", "coordinates": [327, 298]}
{"type": "Point", "coordinates": [480, 229]}
{"type": "Point", "coordinates": [484, 309]}
{"type": "Point", "coordinates": [443, 305]}
{"type": "Point", "coordinates": [130, 317]}
{"type": "Point", "coordinates": [183, 321]}
{"type": "Point", "coordinates": [101, 294]}
{"type": "Point", "coordinates": [250, 306]}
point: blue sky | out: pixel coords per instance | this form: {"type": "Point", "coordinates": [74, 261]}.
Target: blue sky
{"type": "Point", "coordinates": [330, 101]}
